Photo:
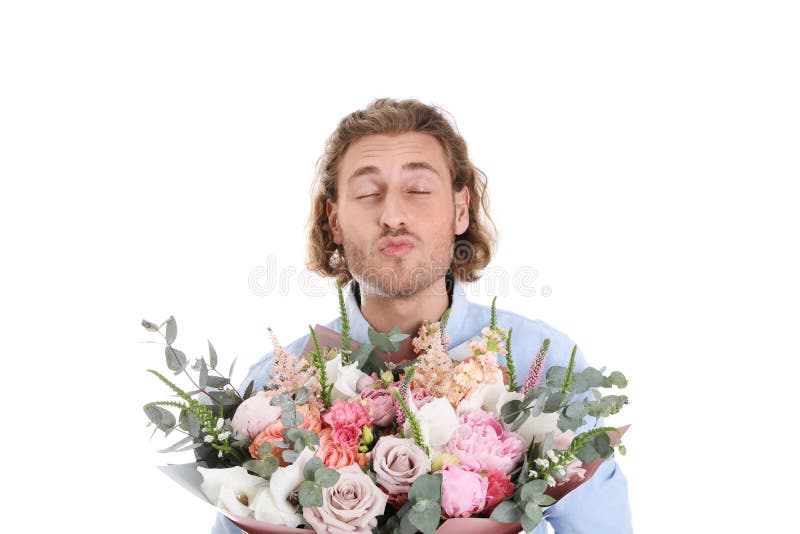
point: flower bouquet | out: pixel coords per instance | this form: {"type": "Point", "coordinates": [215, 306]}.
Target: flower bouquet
{"type": "Point", "coordinates": [340, 441]}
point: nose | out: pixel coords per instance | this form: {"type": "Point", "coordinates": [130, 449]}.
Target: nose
{"type": "Point", "coordinates": [393, 213]}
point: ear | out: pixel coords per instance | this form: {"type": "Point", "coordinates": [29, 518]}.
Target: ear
{"type": "Point", "coordinates": [461, 199]}
{"type": "Point", "coordinates": [333, 219]}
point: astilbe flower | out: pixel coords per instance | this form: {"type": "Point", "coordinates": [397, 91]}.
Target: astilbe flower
{"type": "Point", "coordinates": [290, 372]}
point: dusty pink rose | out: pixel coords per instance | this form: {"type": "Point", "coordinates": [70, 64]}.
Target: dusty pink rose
{"type": "Point", "coordinates": [352, 505]}
{"type": "Point", "coordinates": [500, 488]}
{"type": "Point", "coordinates": [347, 436]}
{"type": "Point", "coordinates": [463, 491]}
{"type": "Point", "coordinates": [397, 463]}
{"type": "Point", "coordinates": [345, 413]}
{"type": "Point", "coordinates": [382, 404]}
{"type": "Point", "coordinates": [482, 443]}
{"type": "Point", "coordinates": [419, 396]}
{"type": "Point", "coordinates": [365, 381]}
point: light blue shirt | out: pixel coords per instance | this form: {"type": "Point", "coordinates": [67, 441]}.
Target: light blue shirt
{"type": "Point", "coordinates": [599, 506]}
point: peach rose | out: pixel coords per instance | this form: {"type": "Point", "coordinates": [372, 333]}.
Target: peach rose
{"type": "Point", "coordinates": [334, 455]}
{"type": "Point", "coordinates": [274, 432]}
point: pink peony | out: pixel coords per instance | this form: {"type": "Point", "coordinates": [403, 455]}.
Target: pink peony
{"type": "Point", "coordinates": [482, 443]}
{"type": "Point", "coordinates": [463, 491]}
{"type": "Point", "coordinates": [500, 488]}
{"type": "Point", "coordinates": [347, 436]}
{"type": "Point", "coordinates": [382, 404]}
{"type": "Point", "coordinates": [352, 505]}
{"type": "Point", "coordinates": [346, 413]}
{"type": "Point", "coordinates": [254, 415]}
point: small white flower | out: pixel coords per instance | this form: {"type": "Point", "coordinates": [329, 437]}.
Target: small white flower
{"type": "Point", "coordinates": [220, 423]}
{"type": "Point", "coordinates": [551, 481]}
{"type": "Point", "coordinates": [209, 438]}
{"type": "Point", "coordinates": [552, 455]}
{"type": "Point", "coordinates": [223, 436]}
{"type": "Point", "coordinates": [220, 454]}
{"type": "Point", "coordinates": [541, 462]}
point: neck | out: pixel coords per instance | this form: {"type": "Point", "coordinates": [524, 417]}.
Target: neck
{"type": "Point", "coordinates": [406, 313]}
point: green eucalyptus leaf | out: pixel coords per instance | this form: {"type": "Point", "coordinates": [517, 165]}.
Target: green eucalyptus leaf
{"type": "Point", "coordinates": [578, 384]}
{"type": "Point", "coordinates": [543, 499]}
{"type": "Point", "coordinates": [424, 515]}
{"type": "Point", "coordinates": [150, 327]}
{"type": "Point", "coordinates": [212, 355]}
{"type": "Point", "coordinates": [309, 494]}
{"type": "Point", "coordinates": [618, 379]}
{"type": "Point", "coordinates": [289, 456]}
{"type": "Point", "coordinates": [586, 453]}
{"type": "Point", "coordinates": [172, 330]}
{"type": "Point", "coordinates": [176, 360]}
{"type": "Point", "coordinates": [233, 364]}
{"type": "Point", "coordinates": [406, 526]}
{"type": "Point", "coordinates": [361, 354]}
{"type": "Point", "coordinates": [593, 377]}
{"type": "Point", "coordinates": [554, 402]}
{"type": "Point", "coordinates": [178, 445]}
{"type": "Point", "coordinates": [426, 487]}
{"type": "Point", "coordinates": [256, 466]}
{"type": "Point", "coordinates": [509, 409]}
{"type": "Point", "coordinates": [519, 421]}
{"type": "Point", "coordinates": [556, 376]}
{"type": "Point", "coordinates": [301, 397]}
{"type": "Point", "coordinates": [532, 517]}
{"type": "Point", "coordinates": [218, 382]}
{"type": "Point", "coordinates": [622, 450]}
{"type": "Point", "coordinates": [532, 488]}
{"type": "Point", "coordinates": [602, 445]}
{"type": "Point", "coordinates": [506, 512]}
{"type": "Point", "coordinates": [326, 477]}
{"type": "Point", "coordinates": [311, 466]}
{"type": "Point", "coordinates": [203, 379]}
{"type": "Point", "coordinates": [248, 390]}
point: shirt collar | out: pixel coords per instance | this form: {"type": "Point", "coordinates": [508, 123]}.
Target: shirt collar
{"type": "Point", "coordinates": [455, 323]}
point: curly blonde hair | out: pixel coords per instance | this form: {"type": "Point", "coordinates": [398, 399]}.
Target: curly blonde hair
{"type": "Point", "coordinates": [472, 250]}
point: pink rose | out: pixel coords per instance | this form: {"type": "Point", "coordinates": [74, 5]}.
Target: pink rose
{"type": "Point", "coordinates": [419, 396]}
{"type": "Point", "coordinates": [352, 505]}
{"type": "Point", "coordinates": [463, 492]}
{"type": "Point", "coordinates": [397, 463]}
{"type": "Point", "coordinates": [482, 443]}
{"type": "Point", "coordinates": [347, 436]}
{"type": "Point", "coordinates": [382, 404]}
{"type": "Point", "coordinates": [500, 488]}
{"type": "Point", "coordinates": [346, 413]}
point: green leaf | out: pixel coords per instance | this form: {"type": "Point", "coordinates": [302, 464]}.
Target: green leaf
{"type": "Point", "coordinates": [520, 421]}
{"type": "Point", "coordinates": [161, 417]}
{"type": "Point", "coordinates": [172, 330]}
{"type": "Point", "coordinates": [289, 456]}
{"type": "Point", "coordinates": [531, 489]}
{"type": "Point", "coordinates": [212, 355]}
{"type": "Point", "coordinates": [602, 445]}
{"type": "Point", "coordinates": [265, 450]}
{"type": "Point", "coordinates": [622, 450]}
{"type": "Point", "coordinates": [426, 487]}
{"type": "Point", "coordinates": [218, 382]}
{"type": "Point", "coordinates": [374, 364]}
{"type": "Point", "coordinates": [586, 453]}
{"type": "Point", "coordinates": [509, 409]}
{"type": "Point", "coordinates": [326, 477]}
{"type": "Point", "coordinates": [380, 341]}
{"type": "Point", "coordinates": [311, 466]}
{"type": "Point", "coordinates": [578, 384]}
{"type": "Point", "coordinates": [361, 354]}
{"type": "Point", "coordinates": [593, 377]}
{"type": "Point", "coordinates": [506, 512]}
{"type": "Point", "coordinates": [176, 360]}
{"type": "Point", "coordinates": [249, 389]}
{"type": "Point", "coordinates": [425, 515]}
{"type": "Point", "coordinates": [618, 379]}
{"type": "Point", "coordinates": [531, 518]}
{"type": "Point", "coordinates": [554, 402]}
{"type": "Point", "coordinates": [203, 379]}
{"type": "Point", "coordinates": [150, 327]}
{"type": "Point", "coordinates": [543, 499]}
{"type": "Point", "coordinates": [233, 364]}
{"type": "Point", "coordinates": [556, 376]}
{"type": "Point", "coordinates": [301, 397]}
{"type": "Point", "coordinates": [309, 494]}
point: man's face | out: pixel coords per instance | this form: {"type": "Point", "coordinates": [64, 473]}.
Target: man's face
{"type": "Point", "coordinates": [396, 213]}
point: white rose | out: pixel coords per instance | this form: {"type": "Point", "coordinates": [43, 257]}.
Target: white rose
{"type": "Point", "coordinates": [533, 427]}
{"type": "Point", "coordinates": [437, 420]}
{"type": "Point", "coordinates": [343, 377]}
{"type": "Point", "coordinates": [231, 489]}
{"type": "Point", "coordinates": [485, 397]}
{"type": "Point", "coordinates": [272, 502]}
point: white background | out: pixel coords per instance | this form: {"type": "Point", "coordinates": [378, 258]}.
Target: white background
{"type": "Point", "coordinates": [641, 157]}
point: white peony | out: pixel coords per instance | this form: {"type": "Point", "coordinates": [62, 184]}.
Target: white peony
{"type": "Point", "coordinates": [534, 427]}
{"type": "Point", "coordinates": [231, 489]}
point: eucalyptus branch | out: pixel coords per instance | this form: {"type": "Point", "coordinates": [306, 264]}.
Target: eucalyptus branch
{"type": "Point", "coordinates": [196, 385]}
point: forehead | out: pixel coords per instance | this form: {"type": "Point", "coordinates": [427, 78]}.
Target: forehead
{"type": "Point", "coordinates": [388, 149]}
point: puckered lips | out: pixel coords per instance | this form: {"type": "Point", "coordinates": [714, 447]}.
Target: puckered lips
{"type": "Point", "coordinates": [395, 246]}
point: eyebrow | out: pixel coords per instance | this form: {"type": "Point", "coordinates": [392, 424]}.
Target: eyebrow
{"type": "Point", "coordinates": [411, 166]}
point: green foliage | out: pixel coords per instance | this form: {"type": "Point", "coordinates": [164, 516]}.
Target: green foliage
{"type": "Point", "coordinates": [493, 318]}
{"type": "Point", "coordinates": [424, 499]}
{"type": "Point", "coordinates": [512, 373]}
{"type": "Point", "coordinates": [318, 360]}
{"type": "Point", "coordinates": [345, 324]}
{"type": "Point", "coordinates": [419, 439]}
{"type": "Point", "coordinates": [525, 505]}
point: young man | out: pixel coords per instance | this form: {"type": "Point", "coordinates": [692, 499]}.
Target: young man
{"type": "Point", "coordinates": [400, 212]}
